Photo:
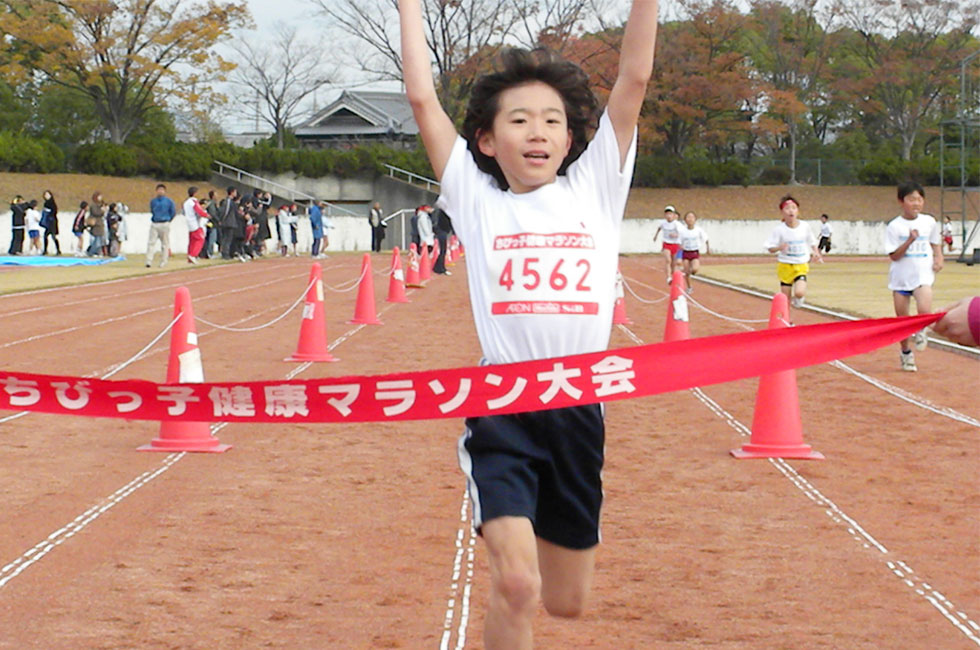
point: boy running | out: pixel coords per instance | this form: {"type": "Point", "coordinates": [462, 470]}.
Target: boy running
{"type": "Point", "coordinates": [793, 241]}
{"type": "Point", "coordinates": [692, 238]}
{"type": "Point", "coordinates": [912, 241]}
{"type": "Point", "coordinates": [525, 168]}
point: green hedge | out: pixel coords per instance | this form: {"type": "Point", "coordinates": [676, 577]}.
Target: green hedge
{"type": "Point", "coordinates": [20, 153]}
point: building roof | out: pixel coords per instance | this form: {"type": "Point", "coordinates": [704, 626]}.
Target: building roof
{"type": "Point", "coordinates": [362, 113]}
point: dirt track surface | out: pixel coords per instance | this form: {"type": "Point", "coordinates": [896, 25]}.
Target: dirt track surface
{"type": "Point", "coordinates": [348, 536]}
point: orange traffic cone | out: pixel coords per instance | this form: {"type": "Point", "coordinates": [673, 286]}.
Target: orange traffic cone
{"type": "Point", "coordinates": [412, 279]}
{"type": "Point", "coordinates": [677, 327]}
{"type": "Point", "coordinates": [619, 309]}
{"type": "Point", "coordinates": [184, 366]}
{"type": "Point", "coordinates": [396, 284]}
{"type": "Point", "coordinates": [425, 265]}
{"type": "Point", "coordinates": [776, 428]}
{"type": "Point", "coordinates": [364, 312]}
{"type": "Point", "coordinates": [312, 344]}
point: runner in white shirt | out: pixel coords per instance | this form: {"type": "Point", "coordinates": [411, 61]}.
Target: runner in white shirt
{"type": "Point", "coordinates": [912, 241]}
{"type": "Point", "coordinates": [793, 242]}
{"type": "Point", "coordinates": [672, 240]}
{"type": "Point", "coordinates": [540, 219]}
{"type": "Point", "coordinates": [692, 239]}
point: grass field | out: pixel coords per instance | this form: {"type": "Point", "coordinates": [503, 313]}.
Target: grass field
{"type": "Point", "coordinates": [855, 286]}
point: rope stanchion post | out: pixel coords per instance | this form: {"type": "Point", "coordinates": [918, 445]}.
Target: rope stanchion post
{"type": "Point", "coordinates": [776, 428]}
{"type": "Point", "coordinates": [364, 311]}
{"type": "Point", "coordinates": [312, 345]}
{"type": "Point", "coordinates": [677, 327]}
{"type": "Point", "coordinates": [184, 366]}
{"type": "Point", "coordinates": [396, 283]}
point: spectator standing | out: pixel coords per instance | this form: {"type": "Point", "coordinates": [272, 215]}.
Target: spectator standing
{"type": "Point", "coordinates": [443, 227]}
{"type": "Point", "coordinates": [316, 226]}
{"type": "Point", "coordinates": [375, 218]}
{"type": "Point", "coordinates": [282, 227]}
{"type": "Point", "coordinates": [264, 233]}
{"type": "Point", "coordinates": [211, 234]}
{"type": "Point", "coordinates": [49, 222]}
{"type": "Point", "coordinates": [228, 215]}
{"type": "Point", "coordinates": [95, 222]}
{"type": "Point", "coordinates": [826, 232]}
{"type": "Point", "coordinates": [115, 230]}
{"type": "Point", "coordinates": [196, 217]}
{"type": "Point", "coordinates": [32, 222]}
{"type": "Point", "coordinates": [78, 228]}
{"type": "Point", "coordinates": [426, 233]}
{"type": "Point", "coordinates": [162, 212]}
{"type": "Point", "coordinates": [17, 209]}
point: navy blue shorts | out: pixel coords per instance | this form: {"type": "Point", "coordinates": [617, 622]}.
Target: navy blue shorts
{"type": "Point", "coordinates": [905, 292]}
{"type": "Point", "coordinates": [543, 465]}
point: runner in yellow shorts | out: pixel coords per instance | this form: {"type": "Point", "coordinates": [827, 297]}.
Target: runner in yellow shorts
{"type": "Point", "coordinates": [794, 243]}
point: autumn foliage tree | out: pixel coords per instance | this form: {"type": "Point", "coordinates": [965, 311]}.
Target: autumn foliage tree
{"type": "Point", "coordinates": [125, 56]}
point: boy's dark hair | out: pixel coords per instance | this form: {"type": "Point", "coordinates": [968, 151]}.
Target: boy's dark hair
{"type": "Point", "coordinates": [788, 197]}
{"type": "Point", "coordinates": [825, 216]}
{"type": "Point", "coordinates": [192, 190]}
{"type": "Point", "coordinates": [515, 68]}
{"type": "Point", "coordinates": [906, 188]}
{"type": "Point", "coordinates": [83, 205]}
{"type": "Point", "coordinates": [161, 185]}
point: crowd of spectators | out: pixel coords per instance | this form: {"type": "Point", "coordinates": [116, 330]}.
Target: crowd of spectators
{"type": "Point", "coordinates": [32, 229]}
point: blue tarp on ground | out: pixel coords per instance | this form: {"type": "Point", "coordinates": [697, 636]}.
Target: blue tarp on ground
{"type": "Point", "coordinates": [42, 260]}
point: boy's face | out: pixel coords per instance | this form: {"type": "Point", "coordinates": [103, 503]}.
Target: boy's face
{"type": "Point", "coordinates": [530, 136]}
{"type": "Point", "coordinates": [912, 204]}
{"type": "Point", "coordinates": [790, 211]}
{"type": "Point", "coordinates": [670, 215]}
{"type": "Point", "coordinates": [689, 219]}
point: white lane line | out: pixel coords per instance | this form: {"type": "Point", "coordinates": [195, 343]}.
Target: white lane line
{"type": "Point", "coordinates": [905, 573]}
{"type": "Point", "coordinates": [63, 534]}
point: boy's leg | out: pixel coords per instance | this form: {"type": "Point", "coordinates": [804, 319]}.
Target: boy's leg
{"type": "Point", "coordinates": [695, 266]}
{"type": "Point", "coordinates": [902, 304]}
{"type": "Point", "coordinates": [566, 578]}
{"type": "Point", "coordinates": [799, 288]}
{"type": "Point", "coordinates": [515, 583]}
{"type": "Point", "coordinates": [923, 305]}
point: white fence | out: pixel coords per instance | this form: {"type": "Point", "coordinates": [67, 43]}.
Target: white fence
{"type": "Point", "coordinates": [353, 234]}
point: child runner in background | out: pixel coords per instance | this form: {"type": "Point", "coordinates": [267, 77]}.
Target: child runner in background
{"type": "Point", "coordinates": [525, 168]}
{"type": "Point", "coordinates": [793, 241]}
{"type": "Point", "coordinates": [948, 233]}
{"type": "Point", "coordinates": [912, 242]}
{"type": "Point", "coordinates": [32, 223]}
{"type": "Point", "coordinates": [826, 232]}
{"type": "Point", "coordinates": [692, 238]}
{"type": "Point", "coordinates": [672, 241]}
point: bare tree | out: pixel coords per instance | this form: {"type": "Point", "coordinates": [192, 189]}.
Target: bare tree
{"type": "Point", "coordinates": [463, 35]}
{"type": "Point", "coordinates": [279, 74]}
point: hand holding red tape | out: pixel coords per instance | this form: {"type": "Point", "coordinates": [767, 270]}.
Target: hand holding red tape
{"type": "Point", "coordinates": [464, 392]}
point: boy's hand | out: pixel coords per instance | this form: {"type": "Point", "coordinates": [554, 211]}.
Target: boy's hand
{"type": "Point", "coordinates": [784, 246]}
{"type": "Point", "coordinates": [937, 264]}
{"type": "Point", "coordinates": [913, 234]}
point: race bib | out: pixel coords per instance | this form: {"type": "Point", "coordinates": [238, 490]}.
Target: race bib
{"type": "Point", "coordinates": [534, 273]}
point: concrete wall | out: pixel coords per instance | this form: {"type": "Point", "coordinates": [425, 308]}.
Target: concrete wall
{"type": "Point", "coordinates": [354, 234]}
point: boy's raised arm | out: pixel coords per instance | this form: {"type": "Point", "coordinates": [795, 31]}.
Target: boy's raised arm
{"type": "Point", "coordinates": [635, 69]}
{"type": "Point", "coordinates": [438, 131]}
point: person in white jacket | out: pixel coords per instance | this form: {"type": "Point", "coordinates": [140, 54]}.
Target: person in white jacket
{"type": "Point", "coordinates": [426, 234]}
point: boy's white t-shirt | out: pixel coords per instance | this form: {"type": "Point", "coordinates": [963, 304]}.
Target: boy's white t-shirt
{"type": "Point", "coordinates": [542, 264]}
{"type": "Point", "coordinates": [193, 221]}
{"type": "Point", "coordinates": [669, 229]}
{"type": "Point", "coordinates": [826, 230]}
{"type": "Point", "coordinates": [692, 238]}
{"type": "Point", "coordinates": [800, 240]}
{"type": "Point", "coordinates": [32, 219]}
{"type": "Point", "coordinates": [914, 269]}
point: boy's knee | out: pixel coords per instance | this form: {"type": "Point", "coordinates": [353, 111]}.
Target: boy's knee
{"type": "Point", "coordinates": [520, 589]}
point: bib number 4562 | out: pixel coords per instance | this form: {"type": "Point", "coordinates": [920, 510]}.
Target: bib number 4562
{"type": "Point", "coordinates": [530, 277]}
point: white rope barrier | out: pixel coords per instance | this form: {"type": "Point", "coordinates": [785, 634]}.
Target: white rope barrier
{"type": "Point", "coordinates": [264, 325]}
{"type": "Point", "coordinates": [722, 316]}
{"type": "Point", "coordinates": [346, 288]}
{"type": "Point", "coordinates": [645, 302]}
{"type": "Point", "coordinates": [139, 355]}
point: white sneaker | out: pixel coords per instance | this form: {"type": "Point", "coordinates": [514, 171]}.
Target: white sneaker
{"type": "Point", "coordinates": [908, 361]}
{"type": "Point", "coordinates": [797, 302]}
{"type": "Point", "coordinates": [920, 340]}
